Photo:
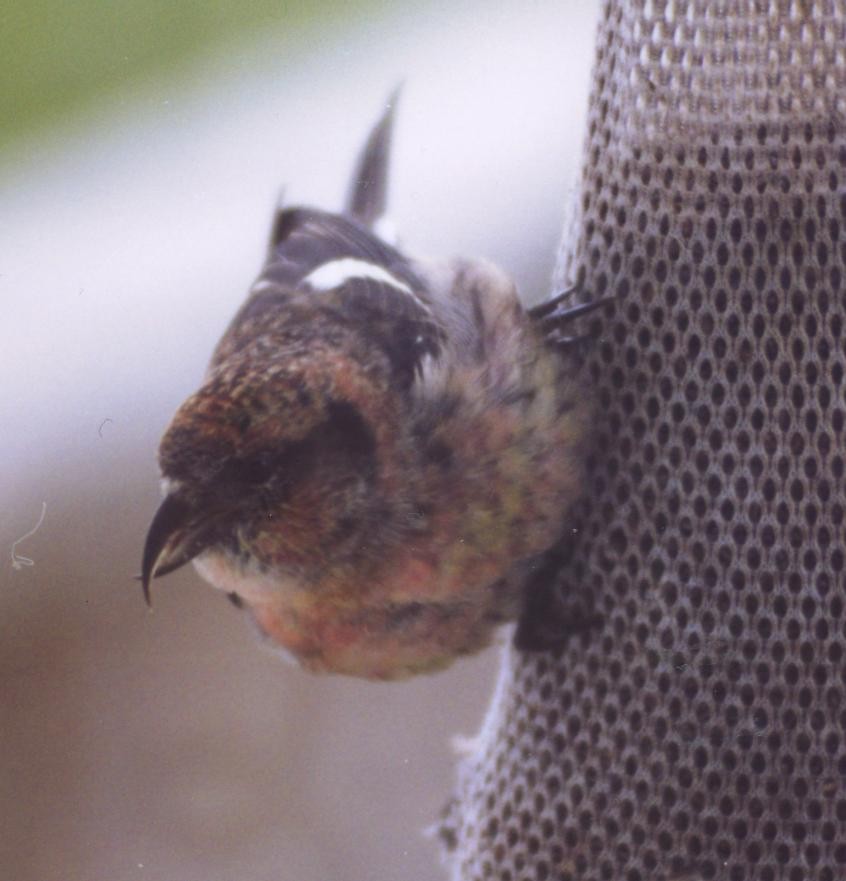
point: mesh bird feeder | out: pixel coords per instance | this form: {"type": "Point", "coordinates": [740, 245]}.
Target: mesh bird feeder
{"type": "Point", "coordinates": [699, 730]}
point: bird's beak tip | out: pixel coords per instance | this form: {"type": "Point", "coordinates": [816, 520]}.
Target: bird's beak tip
{"type": "Point", "coordinates": [145, 587]}
{"type": "Point", "coordinates": [165, 547]}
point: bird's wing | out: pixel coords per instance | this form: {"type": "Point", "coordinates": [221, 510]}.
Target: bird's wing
{"type": "Point", "coordinates": [334, 265]}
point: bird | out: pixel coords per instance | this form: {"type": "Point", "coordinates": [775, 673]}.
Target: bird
{"type": "Point", "coordinates": [382, 449]}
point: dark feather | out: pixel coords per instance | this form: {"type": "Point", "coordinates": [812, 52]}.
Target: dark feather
{"type": "Point", "coordinates": [308, 238]}
{"type": "Point", "coordinates": [368, 194]}
{"type": "Point", "coordinates": [395, 321]}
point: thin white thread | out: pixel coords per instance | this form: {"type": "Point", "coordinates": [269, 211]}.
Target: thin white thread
{"type": "Point", "coordinates": [18, 560]}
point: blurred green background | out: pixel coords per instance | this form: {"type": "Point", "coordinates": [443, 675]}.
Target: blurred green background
{"type": "Point", "coordinates": [59, 58]}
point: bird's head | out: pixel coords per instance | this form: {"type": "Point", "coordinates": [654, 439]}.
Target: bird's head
{"type": "Point", "coordinates": [280, 468]}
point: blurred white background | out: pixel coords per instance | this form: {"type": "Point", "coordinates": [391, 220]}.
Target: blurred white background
{"type": "Point", "coordinates": [169, 744]}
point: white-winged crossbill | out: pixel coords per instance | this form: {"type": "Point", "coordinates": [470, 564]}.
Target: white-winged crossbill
{"type": "Point", "coordinates": [381, 449]}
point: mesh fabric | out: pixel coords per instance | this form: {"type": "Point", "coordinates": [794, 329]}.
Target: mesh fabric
{"type": "Point", "coordinates": [699, 731]}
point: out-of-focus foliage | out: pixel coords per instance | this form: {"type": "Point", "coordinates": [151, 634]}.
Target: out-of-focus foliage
{"type": "Point", "coordinates": [56, 57]}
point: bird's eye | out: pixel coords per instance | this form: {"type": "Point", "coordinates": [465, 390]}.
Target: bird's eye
{"type": "Point", "coordinates": [253, 470]}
